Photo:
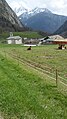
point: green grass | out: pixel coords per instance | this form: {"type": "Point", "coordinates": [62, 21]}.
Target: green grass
{"type": "Point", "coordinates": [28, 93]}
{"type": "Point", "coordinates": [48, 57]}
{"type": "Point", "coordinates": [28, 34]}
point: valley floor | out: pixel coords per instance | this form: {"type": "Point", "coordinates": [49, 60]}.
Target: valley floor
{"type": "Point", "coordinates": [28, 87]}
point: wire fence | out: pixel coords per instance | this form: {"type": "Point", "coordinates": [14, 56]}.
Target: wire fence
{"type": "Point", "coordinates": [52, 73]}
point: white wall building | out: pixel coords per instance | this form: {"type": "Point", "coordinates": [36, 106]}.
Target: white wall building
{"type": "Point", "coordinates": [14, 39]}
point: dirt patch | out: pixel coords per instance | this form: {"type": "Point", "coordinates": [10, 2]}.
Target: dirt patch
{"type": "Point", "coordinates": [1, 117]}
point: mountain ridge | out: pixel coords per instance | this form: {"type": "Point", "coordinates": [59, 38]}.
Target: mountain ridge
{"type": "Point", "coordinates": [62, 30]}
{"type": "Point", "coordinates": [8, 19]}
{"type": "Point", "coordinates": [42, 19]}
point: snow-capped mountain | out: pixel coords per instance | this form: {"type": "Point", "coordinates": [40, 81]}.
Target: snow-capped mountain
{"type": "Point", "coordinates": [33, 12]}
{"type": "Point", "coordinates": [38, 10]}
{"type": "Point", "coordinates": [20, 10]}
{"type": "Point", "coordinates": [42, 19]}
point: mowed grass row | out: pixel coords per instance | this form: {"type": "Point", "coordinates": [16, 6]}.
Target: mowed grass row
{"type": "Point", "coordinates": [26, 93]}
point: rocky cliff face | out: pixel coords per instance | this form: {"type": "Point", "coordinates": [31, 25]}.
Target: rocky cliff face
{"type": "Point", "coordinates": [8, 19]}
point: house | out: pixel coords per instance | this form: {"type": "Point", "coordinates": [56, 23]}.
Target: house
{"type": "Point", "coordinates": [57, 39]}
{"type": "Point", "coordinates": [14, 39]}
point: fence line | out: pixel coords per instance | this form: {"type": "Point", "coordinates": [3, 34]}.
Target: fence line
{"type": "Point", "coordinates": [35, 65]}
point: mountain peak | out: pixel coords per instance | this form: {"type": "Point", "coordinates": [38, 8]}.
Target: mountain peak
{"type": "Point", "coordinates": [42, 19]}
{"type": "Point", "coordinates": [34, 11]}
{"type": "Point", "coordinates": [38, 10]}
{"type": "Point", "coordinates": [20, 10]}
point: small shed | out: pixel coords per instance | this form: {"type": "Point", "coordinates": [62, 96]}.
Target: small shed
{"type": "Point", "coordinates": [14, 39]}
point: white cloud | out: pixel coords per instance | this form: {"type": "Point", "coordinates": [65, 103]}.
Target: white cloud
{"type": "Point", "coordinates": [56, 6]}
{"type": "Point", "coordinates": [59, 4]}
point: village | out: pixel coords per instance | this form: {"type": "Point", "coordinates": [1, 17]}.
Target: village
{"type": "Point", "coordinates": [54, 39]}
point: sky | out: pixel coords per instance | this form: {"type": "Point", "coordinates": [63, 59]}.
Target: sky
{"type": "Point", "coordinates": [55, 6]}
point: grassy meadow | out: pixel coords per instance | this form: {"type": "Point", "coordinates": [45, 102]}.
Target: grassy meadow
{"type": "Point", "coordinates": [27, 82]}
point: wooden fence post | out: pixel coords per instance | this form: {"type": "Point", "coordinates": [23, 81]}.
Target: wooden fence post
{"type": "Point", "coordinates": [56, 77]}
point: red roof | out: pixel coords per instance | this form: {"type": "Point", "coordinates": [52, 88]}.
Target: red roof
{"type": "Point", "coordinates": [60, 42]}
